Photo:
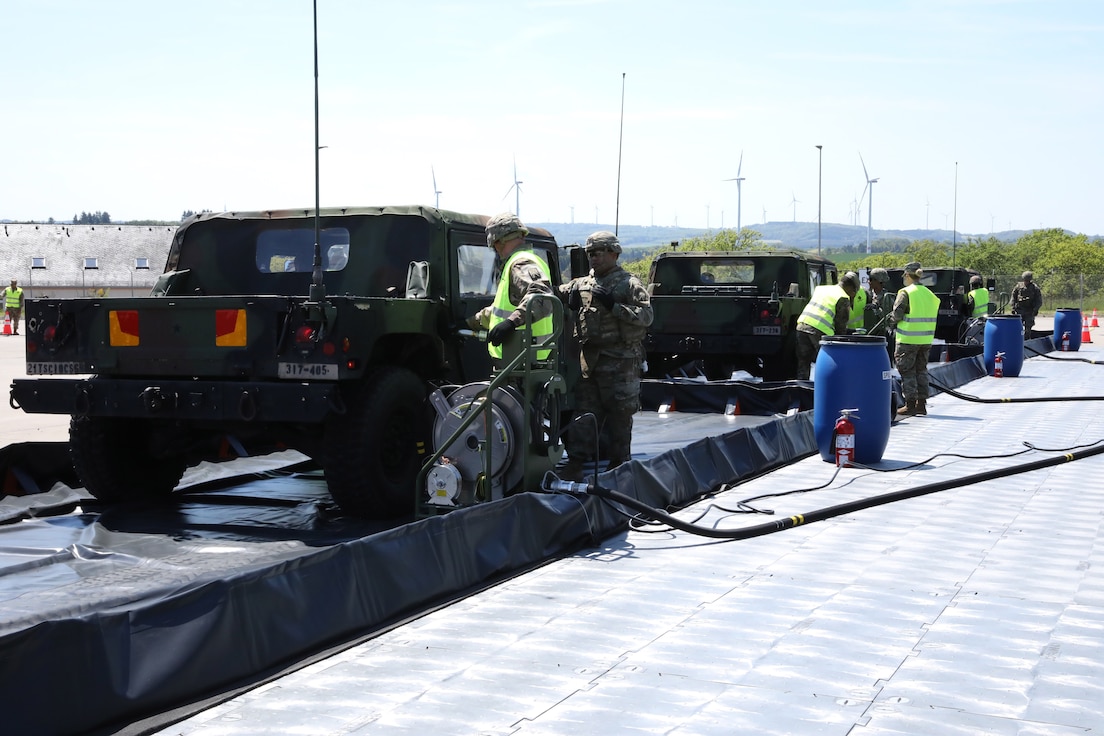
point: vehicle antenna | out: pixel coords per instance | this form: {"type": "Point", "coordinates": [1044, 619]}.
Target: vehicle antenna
{"type": "Point", "coordinates": [317, 288]}
{"type": "Point", "coordinates": [620, 138]}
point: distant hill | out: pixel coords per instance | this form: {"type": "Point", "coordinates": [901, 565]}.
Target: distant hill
{"type": "Point", "coordinates": [795, 235]}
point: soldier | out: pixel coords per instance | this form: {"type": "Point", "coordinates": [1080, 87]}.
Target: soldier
{"type": "Point", "coordinates": [977, 301]}
{"type": "Point", "coordinates": [827, 313]}
{"type": "Point", "coordinates": [858, 304]}
{"type": "Point", "coordinates": [1027, 300]}
{"type": "Point", "coordinates": [523, 274]}
{"type": "Point", "coordinates": [13, 304]}
{"type": "Point", "coordinates": [612, 312]}
{"type": "Point", "coordinates": [879, 307]}
{"type": "Point", "coordinates": [914, 315]}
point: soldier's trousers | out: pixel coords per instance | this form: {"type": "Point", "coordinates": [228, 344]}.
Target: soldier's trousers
{"type": "Point", "coordinates": [912, 362]}
{"type": "Point", "coordinates": [612, 394]}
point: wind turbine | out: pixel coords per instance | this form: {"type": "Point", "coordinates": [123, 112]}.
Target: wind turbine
{"type": "Point", "coordinates": [869, 205]}
{"type": "Point", "coordinates": [739, 194]}
{"type": "Point", "coordinates": [516, 189]}
{"type": "Point", "coordinates": [436, 191]}
{"type": "Point", "coordinates": [793, 202]}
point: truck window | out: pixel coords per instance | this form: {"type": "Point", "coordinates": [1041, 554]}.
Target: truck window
{"type": "Point", "coordinates": [476, 268]}
{"type": "Point", "coordinates": [288, 250]}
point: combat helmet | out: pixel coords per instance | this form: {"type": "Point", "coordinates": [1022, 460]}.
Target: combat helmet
{"type": "Point", "coordinates": [603, 239]}
{"type": "Point", "coordinates": [500, 227]}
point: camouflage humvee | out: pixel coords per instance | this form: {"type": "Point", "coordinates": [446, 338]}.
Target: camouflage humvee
{"type": "Point", "coordinates": [717, 312]}
{"type": "Point", "coordinates": [235, 353]}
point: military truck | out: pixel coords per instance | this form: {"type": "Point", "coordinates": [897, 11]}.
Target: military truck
{"type": "Point", "coordinates": [951, 286]}
{"type": "Point", "coordinates": [721, 311]}
{"type": "Point", "coordinates": [247, 345]}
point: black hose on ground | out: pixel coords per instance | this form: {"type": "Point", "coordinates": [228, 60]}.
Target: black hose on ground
{"type": "Point", "coordinates": [1024, 400]}
{"type": "Point", "coordinates": [1064, 360]}
{"type": "Point", "coordinates": [829, 512]}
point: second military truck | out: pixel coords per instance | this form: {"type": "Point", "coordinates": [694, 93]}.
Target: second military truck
{"type": "Point", "coordinates": [718, 312]}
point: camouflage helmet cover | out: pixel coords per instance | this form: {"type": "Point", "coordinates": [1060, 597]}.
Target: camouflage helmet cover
{"type": "Point", "coordinates": [880, 275]}
{"type": "Point", "coordinates": [975, 281]}
{"type": "Point", "coordinates": [603, 239]}
{"type": "Point", "coordinates": [850, 279]}
{"type": "Point", "coordinates": [501, 226]}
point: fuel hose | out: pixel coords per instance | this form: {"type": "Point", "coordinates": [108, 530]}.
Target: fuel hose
{"type": "Point", "coordinates": [1007, 400]}
{"type": "Point", "coordinates": [781, 524]}
{"type": "Point", "coordinates": [1063, 360]}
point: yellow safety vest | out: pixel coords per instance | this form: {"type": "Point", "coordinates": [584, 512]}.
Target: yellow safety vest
{"type": "Point", "coordinates": [12, 298]}
{"type": "Point", "coordinates": [820, 312]}
{"type": "Point", "coordinates": [502, 307]}
{"type": "Point", "coordinates": [981, 302]}
{"type": "Point", "coordinates": [918, 326]}
{"type": "Point", "coordinates": [858, 308]}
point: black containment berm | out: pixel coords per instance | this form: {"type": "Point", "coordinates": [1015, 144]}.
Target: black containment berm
{"type": "Point", "coordinates": [852, 372]}
{"type": "Point", "coordinates": [1067, 326]}
{"type": "Point", "coordinates": [1004, 333]}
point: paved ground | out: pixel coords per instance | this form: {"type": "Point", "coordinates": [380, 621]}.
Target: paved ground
{"type": "Point", "coordinates": [15, 425]}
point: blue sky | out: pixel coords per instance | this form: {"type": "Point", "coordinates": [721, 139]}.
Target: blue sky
{"type": "Point", "coordinates": [145, 109]}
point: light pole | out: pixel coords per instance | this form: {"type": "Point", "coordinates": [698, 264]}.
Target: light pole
{"type": "Point", "coordinates": [820, 180]}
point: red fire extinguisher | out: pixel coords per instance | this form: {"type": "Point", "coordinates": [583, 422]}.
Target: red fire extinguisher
{"type": "Point", "coordinates": [1065, 341]}
{"type": "Point", "coordinates": [844, 434]}
{"type": "Point", "coordinates": [998, 366]}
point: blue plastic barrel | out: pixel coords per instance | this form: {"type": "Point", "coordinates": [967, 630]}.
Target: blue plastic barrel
{"type": "Point", "coordinates": [852, 372]}
{"type": "Point", "coordinates": [1067, 319]}
{"type": "Point", "coordinates": [1004, 333]}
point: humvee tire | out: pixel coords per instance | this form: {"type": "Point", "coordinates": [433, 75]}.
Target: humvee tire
{"type": "Point", "coordinates": [112, 458]}
{"type": "Point", "coordinates": [373, 451]}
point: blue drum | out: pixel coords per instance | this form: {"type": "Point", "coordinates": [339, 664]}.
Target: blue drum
{"type": "Point", "coordinates": [1004, 333]}
{"type": "Point", "coordinates": [1067, 319]}
{"type": "Point", "coordinates": [852, 372]}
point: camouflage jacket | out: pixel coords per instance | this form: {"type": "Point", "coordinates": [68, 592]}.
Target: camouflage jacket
{"type": "Point", "coordinates": [1027, 298]}
{"type": "Point", "coordinates": [618, 331]}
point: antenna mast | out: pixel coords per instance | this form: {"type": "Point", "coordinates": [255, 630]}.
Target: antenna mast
{"type": "Point", "coordinates": [620, 138]}
{"type": "Point", "coordinates": [317, 288]}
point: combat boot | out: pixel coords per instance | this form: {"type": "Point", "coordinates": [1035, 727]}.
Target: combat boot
{"type": "Point", "coordinates": [922, 407]}
{"type": "Point", "coordinates": [908, 410]}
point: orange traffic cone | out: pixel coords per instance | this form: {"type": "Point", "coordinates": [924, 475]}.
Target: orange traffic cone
{"type": "Point", "coordinates": [1094, 323]}
{"type": "Point", "coordinates": [1086, 338]}
{"type": "Point", "coordinates": [7, 324]}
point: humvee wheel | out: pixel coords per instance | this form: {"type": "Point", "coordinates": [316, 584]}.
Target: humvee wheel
{"type": "Point", "coordinates": [113, 461]}
{"type": "Point", "coordinates": [374, 451]}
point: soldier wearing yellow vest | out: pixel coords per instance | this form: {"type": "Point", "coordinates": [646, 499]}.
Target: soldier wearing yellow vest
{"type": "Point", "coordinates": [827, 313]}
{"type": "Point", "coordinates": [612, 312]}
{"type": "Point", "coordinates": [914, 316]}
{"type": "Point", "coordinates": [977, 301]}
{"type": "Point", "coordinates": [524, 275]}
{"type": "Point", "coordinates": [13, 304]}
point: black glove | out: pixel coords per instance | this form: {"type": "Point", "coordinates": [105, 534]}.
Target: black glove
{"type": "Point", "coordinates": [574, 299]}
{"type": "Point", "coordinates": [602, 295]}
{"type": "Point", "coordinates": [501, 332]}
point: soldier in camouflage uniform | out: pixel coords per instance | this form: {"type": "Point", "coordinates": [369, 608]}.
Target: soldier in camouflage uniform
{"type": "Point", "coordinates": [1027, 300]}
{"type": "Point", "coordinates": [612, 312]}
{"type": "Point", "coordinates": [523, 275]}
